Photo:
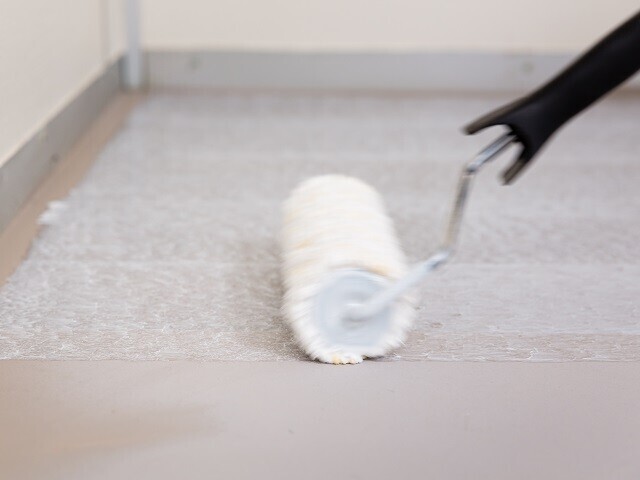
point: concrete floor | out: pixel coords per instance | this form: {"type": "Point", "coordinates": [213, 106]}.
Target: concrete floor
{"type": "Point", "coordinates": [290, 420]}
{"type": "Point", "coordinates": [135, 268]}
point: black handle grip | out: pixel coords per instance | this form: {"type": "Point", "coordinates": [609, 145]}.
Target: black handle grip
{"type": "Point", "coordinates": [535, 117]}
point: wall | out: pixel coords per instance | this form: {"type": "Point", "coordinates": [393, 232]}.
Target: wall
{"type": "Point", "coordinates": [49, 52]}
{"type": "Point", "coordinates": [380, 25]}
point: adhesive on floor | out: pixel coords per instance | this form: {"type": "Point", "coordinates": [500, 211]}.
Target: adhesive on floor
{"type": "Point", "coordinates": [169, 248]}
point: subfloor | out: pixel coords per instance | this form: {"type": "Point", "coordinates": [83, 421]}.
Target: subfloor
{"type": "Point", "coordinates": [169, 247]}
{"type": "Point", "coordinates": [167, 254]}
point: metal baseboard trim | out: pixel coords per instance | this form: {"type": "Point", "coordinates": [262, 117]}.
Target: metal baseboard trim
{"type": "Point", "coordinates": [484, 72]}
{"type": "Point", "coordinates": [29, 166]}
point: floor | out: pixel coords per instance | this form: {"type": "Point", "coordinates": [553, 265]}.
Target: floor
{"type": "Point", "coordinates": [169, 247]}
{"type": "Point", "coordinates": [290, 420]}
{"type": "Point", "coordinates": [156, 280]}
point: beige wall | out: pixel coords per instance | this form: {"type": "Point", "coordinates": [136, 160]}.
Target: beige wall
{"type": "Point", "coordinates": [49, 51]}
{"type": "Point", "coordinates": [469, 25]}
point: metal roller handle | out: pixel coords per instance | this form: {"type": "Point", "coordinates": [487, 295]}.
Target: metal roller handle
{"type": "Point", "coordinates": [420, 271]}
{"type": "Point", "coordinates": [531, 121]}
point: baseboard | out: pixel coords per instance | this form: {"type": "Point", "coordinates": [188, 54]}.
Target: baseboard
{"type": "Point", "coordinates": [484, 72]}
{"type": "Point", "coordinates": [27, 168]}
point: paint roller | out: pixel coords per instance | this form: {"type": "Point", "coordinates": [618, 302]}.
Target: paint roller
{"type": "Point", "coordinates": [347, 283]}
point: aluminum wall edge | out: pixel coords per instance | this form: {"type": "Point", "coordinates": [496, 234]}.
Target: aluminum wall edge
{"type": "Point", "coordinates": [483, 72]}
